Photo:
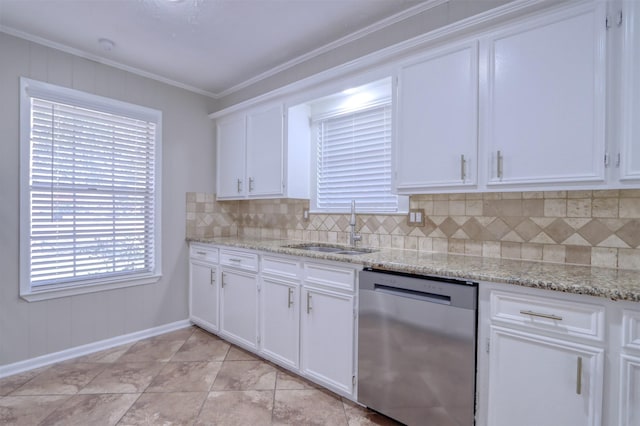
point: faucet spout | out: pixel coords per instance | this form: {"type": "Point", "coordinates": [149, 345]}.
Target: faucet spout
{"type": "Point", "coordinates": [353, 236]}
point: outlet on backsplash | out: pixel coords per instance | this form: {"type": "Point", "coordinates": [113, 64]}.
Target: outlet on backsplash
{"type": "Point", "coordinates": [415, 217]}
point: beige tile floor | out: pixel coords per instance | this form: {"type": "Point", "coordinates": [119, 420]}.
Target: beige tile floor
{"type": "Point", "coordinates": [186, 377]}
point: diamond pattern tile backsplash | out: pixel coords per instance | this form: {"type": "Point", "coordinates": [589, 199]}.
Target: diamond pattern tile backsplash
{"type": "Point", "coordinates": [600, 228]}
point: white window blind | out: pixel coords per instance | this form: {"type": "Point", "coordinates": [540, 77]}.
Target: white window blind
{"type": "Point", "coordinates": [91, 194]}
{"type": "Point", "coordinates": [354, 161]}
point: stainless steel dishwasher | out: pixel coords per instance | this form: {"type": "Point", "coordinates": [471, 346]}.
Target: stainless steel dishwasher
{"type": "Point", "coordinates": [417, 347]}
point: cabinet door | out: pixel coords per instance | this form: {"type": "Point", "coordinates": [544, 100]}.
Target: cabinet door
{"type": "Point", "coordinates": [630, 388]}
{"type": "Point", "coordinates": [203, 295]}
{"type": "Point", "coordinates": [437, 121]}
{"type": "Point", "coordinates": [536, 381]}
{"type": "Point", "coordinates": [265, 152]}
{"type": "Point", "coordinates": [231, 141]}
{"type": "Point", "coordinates": [280, 316]}
{"type": "Point", "coordinates": [239, 307]}
{"type": "Point", "coordinates": [327, 338]}
{"type": "Point", "coordinates": [630, 90]}
{"type": "Point", "coordinates": [545, 99]}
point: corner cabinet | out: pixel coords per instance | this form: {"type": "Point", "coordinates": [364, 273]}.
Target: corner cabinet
{"type": "Point", "coordinates": [543, 93]}
{"type": "Point", "coordinates": [437, 116]}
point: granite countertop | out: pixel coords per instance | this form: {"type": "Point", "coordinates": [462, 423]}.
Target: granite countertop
{"type": "Point", "coordinates": [615, 284]}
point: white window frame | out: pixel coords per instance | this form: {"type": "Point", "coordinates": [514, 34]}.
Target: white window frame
{"type": "Point", "coordinates": [36, 89]}
{"type": "Point", "coordinates": [403, 201]}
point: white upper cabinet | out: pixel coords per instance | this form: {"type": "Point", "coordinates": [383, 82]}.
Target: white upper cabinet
{"type": "Point", "coordinates": [265, 138]}
{"type": "Point", "coordinates": [629, 162]}
{"type": "Point", "coordinates": [231, 139]}
{"type": "Point", "coordinates": [437, 119]}
{"type": "Point", "coordinates": [250, 154]}
{"type": "Point", "coordinates": [255, 159]}
{"type": "Point", "coordinates": [543, 94]}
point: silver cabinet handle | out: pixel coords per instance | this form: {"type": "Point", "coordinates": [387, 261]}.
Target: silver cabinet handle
{"type": "Point", "coordinates": [308, 303]}
{"type": "Point", "coordinates": [222, 281]}
{"type": "Point", "coordinates": [537, 314]}
{"type": "Point", "coordinates": [499, 164]}
{"type": "Point", "coordinates": [250, 184]}
{"type": "Point", "coordinates": [463, 168]}
{"type": "Point", "coordinates": [235, 259]}
{"type": "Point", "coordinates": [289, 299]}
{"type": "Point", "coordinates": [579, 376]}
{"type": "Point", "coordinates": [239, 185]}
{"type": "Point", "coordinates": [212, 277]}
{"type": "Point", "coordinates": [201, 253]}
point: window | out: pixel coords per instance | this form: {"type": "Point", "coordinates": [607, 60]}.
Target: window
{"type": "Point", "coordinates": [353, 151]}
{"type": "Point", "coordinates": [89, 192]}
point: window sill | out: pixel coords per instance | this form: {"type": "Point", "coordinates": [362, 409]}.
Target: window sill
{"type": "Point", "coordinates": [54, 293]}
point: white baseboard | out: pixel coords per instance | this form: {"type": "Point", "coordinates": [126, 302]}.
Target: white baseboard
{"type": "Point", "coordinates": [52, 358]}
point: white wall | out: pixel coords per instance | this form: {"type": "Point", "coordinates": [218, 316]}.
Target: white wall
{"type": "Point", "coordinates": [31, 329]}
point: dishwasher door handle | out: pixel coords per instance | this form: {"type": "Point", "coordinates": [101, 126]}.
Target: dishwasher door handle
{"type": "Point", "coordinates": [413, 294]}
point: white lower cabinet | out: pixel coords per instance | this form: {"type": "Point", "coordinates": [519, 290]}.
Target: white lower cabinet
{"type": "Point", "coordinates": [535, 380]}
{"type": "Point", "coordinates": [327, 341]}
{"type": "Point", "coordinates": [203, 296]}
{"type": "Point", "coordinates": [280, 320]}
{"type": "Point", "coordinates": [630, 390]}
{"type": "Point", "coordinates": [239, 307]}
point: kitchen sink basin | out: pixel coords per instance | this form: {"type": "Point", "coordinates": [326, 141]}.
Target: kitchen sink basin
{"type": "Point", "coordinates": [331, 249]}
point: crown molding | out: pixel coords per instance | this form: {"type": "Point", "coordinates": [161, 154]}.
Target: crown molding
{"type": "Point", "coordinates": [480, 21]}
{"type": "Point", "coordinates": [104, 61]}
{"type": "Point", "coordinates": [398, 17]}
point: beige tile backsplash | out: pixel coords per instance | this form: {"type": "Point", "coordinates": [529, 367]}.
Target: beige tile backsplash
{"type": "Point", "coordinates": [600, 228]}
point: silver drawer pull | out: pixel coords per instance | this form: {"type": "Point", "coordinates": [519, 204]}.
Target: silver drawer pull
{"type": "Point", "coordinates": [537, 314]}
{"type": "Point", "coordinates": [201, 253]}
{"type": "Point", "coordinates": [579, 377]}
{"type": "Point", "coordinates": [233, 259]}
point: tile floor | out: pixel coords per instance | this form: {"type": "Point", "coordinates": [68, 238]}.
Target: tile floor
{"type": "Point", "coordinates": [186, 377]}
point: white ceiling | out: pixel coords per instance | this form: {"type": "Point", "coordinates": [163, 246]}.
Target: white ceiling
{"type": "Point", "coordinates": [211, 46]}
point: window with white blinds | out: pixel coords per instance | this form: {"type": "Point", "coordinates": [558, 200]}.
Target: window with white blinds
{"type": "Point", "coordinates": [353, 161]}
{"type": "Point", "coordinates": [91, 191]}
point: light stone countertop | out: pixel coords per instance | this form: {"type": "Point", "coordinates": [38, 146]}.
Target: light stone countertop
{"type": "Point", "coordinates": [615, 284]}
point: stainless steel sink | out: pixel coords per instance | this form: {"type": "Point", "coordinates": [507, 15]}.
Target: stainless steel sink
{"type": "Point", "coordinates": [331, 249]}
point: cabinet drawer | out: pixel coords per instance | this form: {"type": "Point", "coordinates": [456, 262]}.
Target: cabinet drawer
{"type": "Point", "coordinates": [204, 253]}
{"type": "Point", "coordinates": [281, 267]}
{"type": "Point", "coordinates": [330, 275]}
{"type": "Point", "coordinates": [631, 330]}
{"type": "Point", "coordinates": [557, 316]}
{"type": "Point", "coordinates": [239, 259]}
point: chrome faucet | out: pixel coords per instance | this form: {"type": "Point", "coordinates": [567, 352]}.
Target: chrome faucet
{"type": "Point", "coordinates": [353, 237]}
